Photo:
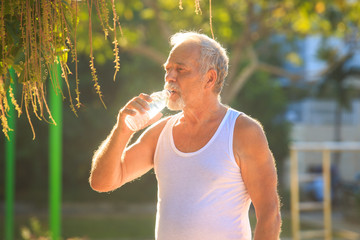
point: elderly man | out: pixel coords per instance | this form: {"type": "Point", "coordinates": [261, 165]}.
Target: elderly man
{"type": "Point", "coordinates": [210, 161]}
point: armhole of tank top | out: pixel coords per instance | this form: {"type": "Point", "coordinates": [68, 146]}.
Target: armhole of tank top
{"type": "Point", "coordinates": [168, 124]}
{"type": "Point", "coordinates": [231, 138]}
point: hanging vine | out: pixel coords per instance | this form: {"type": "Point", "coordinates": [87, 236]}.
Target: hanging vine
{"type": "Point", "coordinates": [37, 34]}
{"type": "Point", "coordinates": [34, 35]}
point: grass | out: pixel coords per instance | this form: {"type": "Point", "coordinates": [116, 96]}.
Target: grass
{"type": "Point", "coordinates": [93, 227]}
{"type": "Point", "coordinates": [129, 227]}
{"type": "Point", "coordinates": [113, 226]}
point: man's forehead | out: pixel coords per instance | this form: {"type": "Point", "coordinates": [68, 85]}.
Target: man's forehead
{"type": "Point", "coordinates": [182, 53]}
{"type": "Point", "coordinates": [189, 46]}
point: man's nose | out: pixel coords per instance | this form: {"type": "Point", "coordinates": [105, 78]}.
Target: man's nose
{"type": "Point", "coordinates": [170, 76]}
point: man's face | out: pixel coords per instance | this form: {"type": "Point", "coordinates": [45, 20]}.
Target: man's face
{"type": "Point", "coordinates": [182, 75]}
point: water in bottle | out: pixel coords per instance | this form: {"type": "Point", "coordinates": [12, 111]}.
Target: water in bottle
{"type": "Point", "coordinates": [159, 100]}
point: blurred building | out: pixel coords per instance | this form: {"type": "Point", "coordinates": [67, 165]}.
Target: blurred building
{"type": "Point", "coordinates": [314, 120]}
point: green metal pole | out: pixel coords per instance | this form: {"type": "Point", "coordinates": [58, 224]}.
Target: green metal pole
{"type": "Point", "coordinates": [10, 166]}
{"type": "Point", "coordinates": [55, 153]}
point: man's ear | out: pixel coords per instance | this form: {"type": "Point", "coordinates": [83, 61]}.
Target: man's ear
{"type": "Point", "coordinates": [211, 78]}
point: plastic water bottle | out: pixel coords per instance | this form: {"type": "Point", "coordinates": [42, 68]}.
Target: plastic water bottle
{"type": "Point", "coordinates": [158, 103]}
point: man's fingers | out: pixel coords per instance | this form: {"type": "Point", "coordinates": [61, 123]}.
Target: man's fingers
{"type": "Point", "coordinates": [128, 111]}
{"type": "Point", "coordinates": [146, 97]}
{"type": "Point", "coordinates": [138, 104]}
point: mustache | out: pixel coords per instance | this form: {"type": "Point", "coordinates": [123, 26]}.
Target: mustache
{"type": "Point", "coordinates": [171, 86]}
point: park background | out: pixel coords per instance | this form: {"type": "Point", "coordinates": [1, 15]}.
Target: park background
{"type": "Point", "coordinates": [282, 53]}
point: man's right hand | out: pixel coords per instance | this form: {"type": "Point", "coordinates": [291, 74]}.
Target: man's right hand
{"type": "Point", "coordinates": [137, 104]}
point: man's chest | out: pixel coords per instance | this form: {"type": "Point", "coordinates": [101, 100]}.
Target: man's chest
{"type": "Point", "coordinates": [193, 139]}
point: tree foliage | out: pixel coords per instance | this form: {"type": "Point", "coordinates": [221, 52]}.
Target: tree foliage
{"type": "Point", "coordinates": [248, 29]}
{"type": "Point", "coordinates": [334, 81]}
{"type": "Point", "coordinates": [257, 34]}
{"type": "Point", "coordinates": [34, 36]}
{"type": "Point", "coordinates": [36, 33]}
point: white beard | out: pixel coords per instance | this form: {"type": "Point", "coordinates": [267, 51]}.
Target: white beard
{"type": "Point", "coordinates": [176, 105]}
{"type": "Point", "coordinates": [179, 103]}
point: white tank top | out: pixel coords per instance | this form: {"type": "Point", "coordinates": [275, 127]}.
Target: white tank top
{"type": "Point", "coordinates": [201, 195]}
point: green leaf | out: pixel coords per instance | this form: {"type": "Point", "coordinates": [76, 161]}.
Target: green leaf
{"type": "Point", "coordinates": [147, 14]}
{"type": "Point", "coordinates": [294, 58]}
{"type": "Point", "coordinates": [9, 28]}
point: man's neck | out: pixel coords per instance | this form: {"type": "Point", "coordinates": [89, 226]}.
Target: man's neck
{"type": "Point", "coordinates": [204, 112]}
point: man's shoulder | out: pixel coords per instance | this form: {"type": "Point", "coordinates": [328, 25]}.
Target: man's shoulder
{"type": "Point", "coordinates": [248, 132]}
{"type": "Point", "coordinates": [247, 123]}
{"type": "Point", "coordinates": [249, 138]}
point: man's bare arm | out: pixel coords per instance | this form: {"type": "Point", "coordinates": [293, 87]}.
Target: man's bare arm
{"type": "Point", "coordinates": [106, 169]}
{"type": "Point", "coordinates": [259, 174]}
{"type": "Point", "coordinates": [114, 163]}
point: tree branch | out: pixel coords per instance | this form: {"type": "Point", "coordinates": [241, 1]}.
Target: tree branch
{"type": "Point", "coordinates": [240, 44]}
{"type": "Point", "coordinates": [278, 71]}
{"type": "Point", "coordinates": [230, 92]}
{"type": "Point", "coordinates": [248, 36]}
{"type": "Point", "coordinates": [148, 52]}
{"type": "Point", "coordinates": [163, 26]}
{"type": "Point", "coordinates": [335, 64]}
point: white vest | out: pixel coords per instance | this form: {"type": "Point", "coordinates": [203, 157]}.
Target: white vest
{"type": "Point", "coordinates": [201, 195]}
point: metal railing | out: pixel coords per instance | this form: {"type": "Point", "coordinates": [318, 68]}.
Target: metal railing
{"type": "Point", "coordinates": [296, 206]}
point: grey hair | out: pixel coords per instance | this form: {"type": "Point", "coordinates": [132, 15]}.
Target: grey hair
{"type": "Point", "coordinates": [212, 55]}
